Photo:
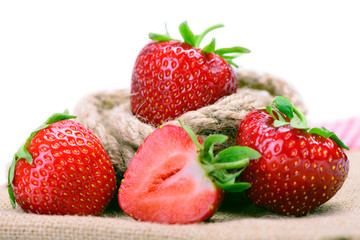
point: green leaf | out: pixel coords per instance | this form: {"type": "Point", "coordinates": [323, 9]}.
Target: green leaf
{"type": "Point", "coordinates": [220, 175]}
{"type": "Point", "coordinates": [10, 179]}
{"type": "Point", "coordinates": [280, 117]}
{"type": "Point", "coordinates": [339, 142]}
{"type": "Point", "coordinates": [231, 57]}
{"type": "Point", "coordinates": [232, 165]}
{"type": "Point", "coordinates": [278, 123]}
{"type": "Point", "coordinates": [270, 110]}
{"type": "Point", "coordinates": [212, 139]}
{"type": "Point", "coordinates": [192, 136]}
{"type": "Point", "coordinates": [231, 62]}
{"type": "Point", "coordinates": [199, 38]}
{"type": "Point", "coordinates": [159, 37]}
{"type": "Point", "coordinates": [187, 34]}
{"type": "Point", "coordinates": [300, 115]}
{"type": "Point", "coordinates": [210, 48]}
{"type": "Point", "coordinates": [328, 134]}
{"type": "Point", "coordinates": [321, 131]}
{"type": "Point", "coordinates": [11, 196]}
{"type": "Point", "coordinates": [224, 177]}
{"type": "Point", "coordinates": [236, 187]}
{"type": "Point", "coordinates": [284, 106]}
{"type": "Point", "coordinates": [298, 123]}
{"type": "Point", "coordinates": [280, 120]}
{"type": "Point", "coordinates": [237, 49]}
{"type": "Point", "coordinates": [236, 153]}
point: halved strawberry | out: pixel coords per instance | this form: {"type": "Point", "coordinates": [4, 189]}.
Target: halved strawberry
{"type": "Point", "coordinates": [174, 178]}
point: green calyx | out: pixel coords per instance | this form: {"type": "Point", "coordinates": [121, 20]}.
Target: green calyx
{"type": "Point", "coordinates": [218, 167]}
{"type": "Point", "coordinates": [228, 54]}
{"type": "Point", "coordinates": [23, 153]}
{"type": "Point", "coordinates": [285, 113]}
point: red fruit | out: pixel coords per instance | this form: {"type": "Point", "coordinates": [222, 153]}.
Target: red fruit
{"type": "Point", "coordinates": [62, 169]}
{"type": "Point", "coordinates": [174, 179]}
{"type": "Point", "coordinates": [300, 169]}
{"type": "Point", "coordinates": [172, 77]}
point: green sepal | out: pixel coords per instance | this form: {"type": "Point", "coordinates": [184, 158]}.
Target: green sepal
{"type": "Point", "coordinates": [232, 165]}
{"type": "Point", "coordinates": [22, 152]}
{"type": "Point", "coordinates": [297, 122]}
{"type": "Point", "coordinates": [199, 38]}
{"type": "Point", "coordinates": [162, 37]}
{"type": "Point", "coordinates": [234, 158]}
{"type": "Point", "coordinates": [192, 135]}
{"type": "Point", "coordinates": [328, 134]}
{"type": "Point", "coordinates": [234, 187]}
{"type": "Point", "coordinates": [195, 41]}
{"type": "Point", "coordinates": [232, 154]}
{"type": "Point", "coordinates": [211, 140]}
{"type": "Point", "coordinates": [222, 176]}
{"type": "Point", "coordinates": [210, 48]}
{"type": "Point", "coordinates": [229, 59]}
{"type": "Point", "coordinates": [187, 34]}
{"type": "Point", "coordinates": [10, 189]}
{"type": "Point", "coordinates": [159, 37]}
{"type": "Point", "coordinates": [282, 106]}
{"type": "Point", "coordinates": [237, 49]}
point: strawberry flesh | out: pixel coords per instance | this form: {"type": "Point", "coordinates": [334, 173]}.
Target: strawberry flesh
{"type": "Point", "coordinates": [165, 183]}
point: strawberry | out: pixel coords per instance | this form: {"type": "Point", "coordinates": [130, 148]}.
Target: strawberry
{"type": "Point", "coordinates": [62, 168]}
{"type": "Point", "coordinates": [300, 168]}
{"type": "Point", "coordinates": [174, 177]}
{"type": "Point", "coordinates": [171, 77]}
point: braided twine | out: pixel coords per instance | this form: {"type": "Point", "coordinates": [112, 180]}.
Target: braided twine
{"type": "Point", "coordinates": [108, 115]}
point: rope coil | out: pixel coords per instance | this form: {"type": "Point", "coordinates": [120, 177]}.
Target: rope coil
{"type": "Point", "coordinates": [108, 115]}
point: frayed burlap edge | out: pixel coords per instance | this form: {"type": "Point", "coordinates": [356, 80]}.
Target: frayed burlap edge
{"type": "Point", "coordinates": [108, 114]}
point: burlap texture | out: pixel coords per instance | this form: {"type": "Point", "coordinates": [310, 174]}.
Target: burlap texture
{"type": "Point", "coordinates": [339, 218]}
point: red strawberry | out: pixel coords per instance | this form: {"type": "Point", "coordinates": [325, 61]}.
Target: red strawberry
{"type": "Point", "coordinates": [300, 169]}
{"type": "Point", "coordinates": [62, 168]}
{"type": "Point", "coordinates": [172, 77]}
{"type": "Point", "coordinates": [174, 178]}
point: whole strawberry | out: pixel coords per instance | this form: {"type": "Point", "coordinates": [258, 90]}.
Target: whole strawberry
{"type": "Point", "coordinates": [174, 177]}
{"type": "Point", "coordinates": [62, 168]}
{"type": "Point", "coordinates": [300, 168]}
{"type": "Point", "coordinates": [171, 77]}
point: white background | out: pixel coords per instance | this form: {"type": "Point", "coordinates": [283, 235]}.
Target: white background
{"type": "Point", "coordinates": [53, 53]}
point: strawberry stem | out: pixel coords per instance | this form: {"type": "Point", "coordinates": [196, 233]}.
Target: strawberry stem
{"type": "Point", "coordinates": [216, 168]}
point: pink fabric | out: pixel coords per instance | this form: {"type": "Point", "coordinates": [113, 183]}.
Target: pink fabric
{"type": "Point", "coordinates": [347, 130]}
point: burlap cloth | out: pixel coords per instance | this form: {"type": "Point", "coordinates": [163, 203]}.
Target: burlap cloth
{"type": "Point", "coordinates": [108, 115]}
{"type": "Point", "coordinates": [339, 218]}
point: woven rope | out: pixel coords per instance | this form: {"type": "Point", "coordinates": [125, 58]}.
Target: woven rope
{"type": "Point", "coordinates": [108, 115]}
